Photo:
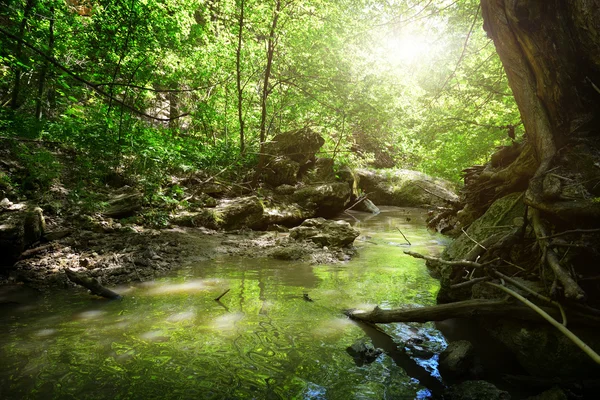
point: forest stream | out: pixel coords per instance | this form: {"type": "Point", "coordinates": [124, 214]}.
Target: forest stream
{"type": "Point", "coordinates": [279, 333]}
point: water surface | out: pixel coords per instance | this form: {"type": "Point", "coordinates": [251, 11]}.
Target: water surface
{"type": "Point", "coordinates": [169, 339]}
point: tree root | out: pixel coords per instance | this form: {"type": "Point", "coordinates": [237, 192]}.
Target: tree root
{"type": "Point", "coordinates": [572, 289]}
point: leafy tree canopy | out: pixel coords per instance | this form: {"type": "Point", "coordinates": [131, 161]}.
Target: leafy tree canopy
{"type": "Point", "coordinates": [195, 83]}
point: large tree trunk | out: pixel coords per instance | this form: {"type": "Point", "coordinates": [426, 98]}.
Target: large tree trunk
{"type": "Point", "coordinates": [550, 51]}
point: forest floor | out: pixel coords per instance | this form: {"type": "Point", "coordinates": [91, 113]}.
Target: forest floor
{"type": "Point", "coordinates": [136, 253]}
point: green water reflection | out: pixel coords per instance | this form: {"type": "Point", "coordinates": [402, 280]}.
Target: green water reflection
{"type": "Point", "coordinates": [169, 339]}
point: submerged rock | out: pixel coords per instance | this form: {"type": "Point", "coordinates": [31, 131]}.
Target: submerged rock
{"type": "Point", "coordinates": [325, 232]}
{"type": "Point", "coordinates": [363, 352]}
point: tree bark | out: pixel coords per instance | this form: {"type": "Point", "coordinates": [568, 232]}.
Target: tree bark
{"type": "Point", "coordinates": [539, 46]}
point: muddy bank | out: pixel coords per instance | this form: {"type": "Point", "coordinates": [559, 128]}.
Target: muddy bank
{"type": "Point", "coordinates": [135, 253]}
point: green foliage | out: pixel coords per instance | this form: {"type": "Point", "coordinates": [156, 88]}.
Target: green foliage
{"type": "Point", "coordinates": [427, 93]}
{"type": "Point", "coordinates": [40, 168]}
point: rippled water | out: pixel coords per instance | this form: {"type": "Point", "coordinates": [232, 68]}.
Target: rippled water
{"type": "Point", "coordinates": [169, 339]}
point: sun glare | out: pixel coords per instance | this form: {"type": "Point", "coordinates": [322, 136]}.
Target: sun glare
{"type": "Point", "coordinates": [405, 49]}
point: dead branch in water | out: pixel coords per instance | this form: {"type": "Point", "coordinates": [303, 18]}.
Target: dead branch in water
{"type": "Point", "coordinates": [92, 285]}
{"type": "Point", "coordinates": [223, 294]}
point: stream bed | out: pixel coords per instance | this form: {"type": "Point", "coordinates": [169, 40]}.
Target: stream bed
{"type": "Point", "coordinates": [265, 339]}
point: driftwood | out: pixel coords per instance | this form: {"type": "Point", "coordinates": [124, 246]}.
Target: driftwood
{"type": "Point", "coordinates": [92, 285]}
{"type": "Point", "coordinates": [466, 309]}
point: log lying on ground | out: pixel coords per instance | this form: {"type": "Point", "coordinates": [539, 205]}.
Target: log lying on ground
{"type": "Point", "coordinates": [463, 309]}
{"type": "Point", "coordinates": [92, 285]}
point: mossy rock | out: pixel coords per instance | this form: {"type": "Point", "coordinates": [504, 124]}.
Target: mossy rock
{"type": "Point", "coordinates": [325, 232]}
{"type": "Point", "coordinates": [281, 171]}
{"type": "Point", "coordinates": [405, 188]}
{"type": "Point", "coordinates": [475, 390]}
{"type": "Point", "coordinates": [326, 200]}
{"type": "Point", "coordinates": [299, 145]}
{"type": "Point", "coordinates": [544, 351]}
{"type": "Point", "coordinates": [506, 212]}
{"type": "Point", "coordinates": [239, 213]}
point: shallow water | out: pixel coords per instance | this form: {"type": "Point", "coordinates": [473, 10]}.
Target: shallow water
{"type": "Point", "coordinates": [169, 339]}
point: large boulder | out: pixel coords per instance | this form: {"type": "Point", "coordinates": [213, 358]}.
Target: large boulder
{"type": "Point", "coordinates": [322, 170]}
{"type": "Point", "coordinates": [325, 232]}
{"type": "Point", "coordinates": [284, 214]}
{"type": "Point", "coordinates": [281, 171]}
{"type": "Point", "coordinates": [20, 226]}
{"type": "Point", "coordinates": [243, 212]}
{"type": "Point", "coordinates": [326, 199]}
{"type": "Point", "coordinates": [124, 205]}
{"type": "Point", "coordinates": [239, 213]}
{"type": "Point", "coordinates": [405, 188]}
{"type": "Point", "coordinates": [544, 351]}
{"type": "Point", "coordinates": [299, 145]}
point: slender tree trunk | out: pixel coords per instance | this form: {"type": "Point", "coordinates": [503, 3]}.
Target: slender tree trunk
{"type": "Point", "coordinates": [238, 68]}
{"type": "Point", "coordinates": [44, 70]}
{"type": "Point", "coordinates": [173, 107]}
{"type": "Point", "coordinates": [14, 103]}
{"type": "Point", "coordinates": [265, 89]}
{"type": "Point", "coordinates": [271, 42]}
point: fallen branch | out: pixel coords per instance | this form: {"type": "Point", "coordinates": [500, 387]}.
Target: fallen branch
{"type": "Point", "coordinates": [460, 309]}
{"type": "Point", "coordinates": [465, 309]}
{"type": "Point", "coordinates": [223, 294]}
{"type": "Point", "coordinates": [407, 241]}
{"type": "Point", "coordinates": [564, 330]}
{"type": "Point", "coordinates": [534, 294]}
{"type": "Point", "coordinates": [461, 263]}
{"type": "Point", "coordinates": [468, 283]}
{"type": "Point", "coordinates": [568, 232]}
{"type": "Point", "coordinates": [360, 200]}
{"type": "Point", "coordinates": [92, 285]}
